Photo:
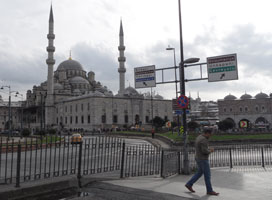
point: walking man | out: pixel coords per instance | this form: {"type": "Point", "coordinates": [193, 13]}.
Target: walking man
{"type": "Point", "coordinates": [202, 155]}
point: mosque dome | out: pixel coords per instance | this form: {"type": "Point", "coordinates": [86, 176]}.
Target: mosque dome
{"type": "Point", "coordinates": [58, 86]}
{"type": "Point", "coordinates": [230, 97]}
{"type": "Point", "coordinates": [130, 91]}
{"type": "Point", "coordinates": [261, 96]}
{"type": "Point", "coordinates": [157, 96]}
{"type": "Point", "coordinates": [78, 80]}
{"type": "Point", "coordinates": [70, 65]}
{"type": "Point", "coordinates": [246, 96]}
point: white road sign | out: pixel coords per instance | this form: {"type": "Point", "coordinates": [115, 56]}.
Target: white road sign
{"type": "Point", "coordinates": [145, 76]}
{"type": "Point", "coordinates": [222, 68]}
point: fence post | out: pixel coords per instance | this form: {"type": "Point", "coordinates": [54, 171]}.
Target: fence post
{"type": "Point", "coordinates": [79, 164]}
{"type": "Point", "coordinates": [230, 157]}
{"type": "Point", "coordinates": [18, 165]}
{"type": "Point", "coordinates": [162, 160]}
{"type": "Point", "coordinates": [179, 169]}
{"type": "Point", "coordinates": [123, 160]}
{"type": "Point", "coordinates": [262, 157]}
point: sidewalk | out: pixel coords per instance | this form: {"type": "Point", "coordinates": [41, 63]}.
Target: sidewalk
{"type": "Point", "coordinates": [237, 184]}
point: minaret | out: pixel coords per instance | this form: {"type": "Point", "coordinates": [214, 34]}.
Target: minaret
{"type": "Point", "coordinates": [49, 109]}
{"type": "Point", "coordinates": [121, 60]}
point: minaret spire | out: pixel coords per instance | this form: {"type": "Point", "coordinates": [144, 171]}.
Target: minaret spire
{"type": "Point", "coordinates": [122, 60]}
{"type": "Point", "coordinates": [49, 111]}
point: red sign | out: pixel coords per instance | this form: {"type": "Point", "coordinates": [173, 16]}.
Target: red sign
{"type": "Point", "coordinates": [183, 101]}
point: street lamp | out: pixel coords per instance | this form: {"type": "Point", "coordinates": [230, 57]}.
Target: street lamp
{"type": "Point", "coordinates": [182, 92]}
{"type": "Point", "coordinates": [9, 105]}
{"type": "Point", "coordinates": [22, 96]}
{"type": "Point", "coordinates": [175, 65]}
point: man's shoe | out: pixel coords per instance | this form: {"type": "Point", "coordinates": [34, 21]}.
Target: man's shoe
{"type": "Point", "coordinates": [189, 188]}
{"type": "Point", "coordinates": [213, 193]}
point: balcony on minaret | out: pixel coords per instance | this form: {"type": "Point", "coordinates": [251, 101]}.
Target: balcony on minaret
{"type": "Point", "coordinates": [121, 48]}
{"type": "Point", "coordinates": [50, 49]}
{"type": "Point", "coordinates": [50, 36]}
{"type": "Point", "coordinates": [122, 59]}
{"type": "Point", "coordinates": [50, 61]}
{"type": "Point", "coordinates": [121, 70]}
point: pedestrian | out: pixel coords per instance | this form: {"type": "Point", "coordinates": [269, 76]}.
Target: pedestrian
{"type": "Point", "coordinates": [153, 132]}
{"type": "Point", "coordinates": [201, 156]}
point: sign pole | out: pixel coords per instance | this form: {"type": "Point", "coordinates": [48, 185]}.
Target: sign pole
{"type": "Point", "coordinates": [186, 169]}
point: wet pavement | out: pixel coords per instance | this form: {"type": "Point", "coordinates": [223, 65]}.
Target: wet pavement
{"type": "Point", "coordinates": [235, 184]}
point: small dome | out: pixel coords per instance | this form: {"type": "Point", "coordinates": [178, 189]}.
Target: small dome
{"type": "Point", "coordinates": [58, 86]}
{"type": "Point", "coordinates": [70, 65]}
{"type": "Point", "coordinates": [261, 96]}
{"type": "Point", "coordinates": [131, 91]}
{"type": "Point", "coordinates": [98, 94]}
{"type": "Point", "coordinates": [157, 96]}
{"type": "Point", "coordinates": [230, 97]}
{"type": "Point", "coordinates": [246, 96]}
{"type": "Point", "coordinates": [78, 80]}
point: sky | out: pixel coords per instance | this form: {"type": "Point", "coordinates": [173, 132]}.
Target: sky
{"type": "Point", "coordinates": [90, 29]}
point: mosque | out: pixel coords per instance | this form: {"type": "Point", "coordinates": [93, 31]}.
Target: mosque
{"type": "Point", "coordinates": [72, 98]}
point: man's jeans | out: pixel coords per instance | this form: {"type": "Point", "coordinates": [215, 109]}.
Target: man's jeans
{"type": "Point", "coordinates": [203, 168]}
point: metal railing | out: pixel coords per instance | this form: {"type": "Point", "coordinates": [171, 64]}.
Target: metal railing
{"type": "Point", "coordinates": [46, 157]}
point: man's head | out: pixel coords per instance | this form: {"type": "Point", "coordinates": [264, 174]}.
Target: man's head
{"type": "Point", "coordinates": [207, 132]}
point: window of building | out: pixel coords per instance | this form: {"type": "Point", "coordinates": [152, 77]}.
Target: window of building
{"type": "Point", "coordinates": [76, 119]}
{"type": "Point", "coordinates": [230, 109]}
{"type": "Point", "coordinates": [165, 118]}
{"type": "Point", "coordinates": [246, 109]}
{"type": "Point", "coordinates": [57, 120]}
{"type": "Point", "coordinates": [88, 106]}
{"type": "Point", "coordinates": [225, 110]}
{"type": "Point", "coordinates": [82, 119]}
{"type": "Point", "coordinates": [103, 118]}
{"type": "Point", "coordinates": [241, 109]}
{"type": "Point", "coordinates": [65, 108]}
{"type": "Point", "coordinates": [115, 118]}
{"type": "Point", "coordinates": [65, 120]}
{"type": "Point", "coordinates": [263, 108]}
{"type": "Point", "coordinates": [126, 118]}
{"type": "Point", "coordinates": [71, 108]}
{"type": "Point", "coordinates": [257, 108]}
{"type": "Point", "coordinates": [71, 120]}
{"type": "Point", "coordinates": [57, 110]}
{"type": "Point", "coordinates": [146, 119]}
{"type": "Point", "coordinates": [89, 119]}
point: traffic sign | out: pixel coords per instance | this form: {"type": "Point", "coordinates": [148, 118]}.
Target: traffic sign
{"type": "Point", "coordinates": [183, 101]}
{"type": "Point", "coordinates": [181, 129]}
{"type": "Point", "coordinates": [145, 76]}
{"type": "Point", "coordinates": [222, 68]}
{"type": "Point", "coordinates": [243, 124]}
{"type": "Point", "coordinates": [180, 112]}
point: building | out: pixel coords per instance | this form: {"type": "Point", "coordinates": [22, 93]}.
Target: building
{"type": "Point", "coordinates": [247, 112]}
{"type": "Point", "coordinates": [15, 114]}
{"type": "Point", "coordinates": [203, 112]}
{"type": "Point", "coordinates": [72, 98]}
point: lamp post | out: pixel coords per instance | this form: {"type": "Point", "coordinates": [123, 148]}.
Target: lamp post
{"type": "Point", "coordinates": [22, 96]}
{"type": "Point", "coordinates": [186, 169]}
{"type": "Point", "coordinates": [9, 105]}
{"type": "Point", "coordinates": [9, 112]}
{"type": "Point", "coordinates": [175, 65]}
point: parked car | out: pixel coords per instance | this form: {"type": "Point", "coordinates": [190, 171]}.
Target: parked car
{"type": "Point", "coordinates": [76, 138]}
